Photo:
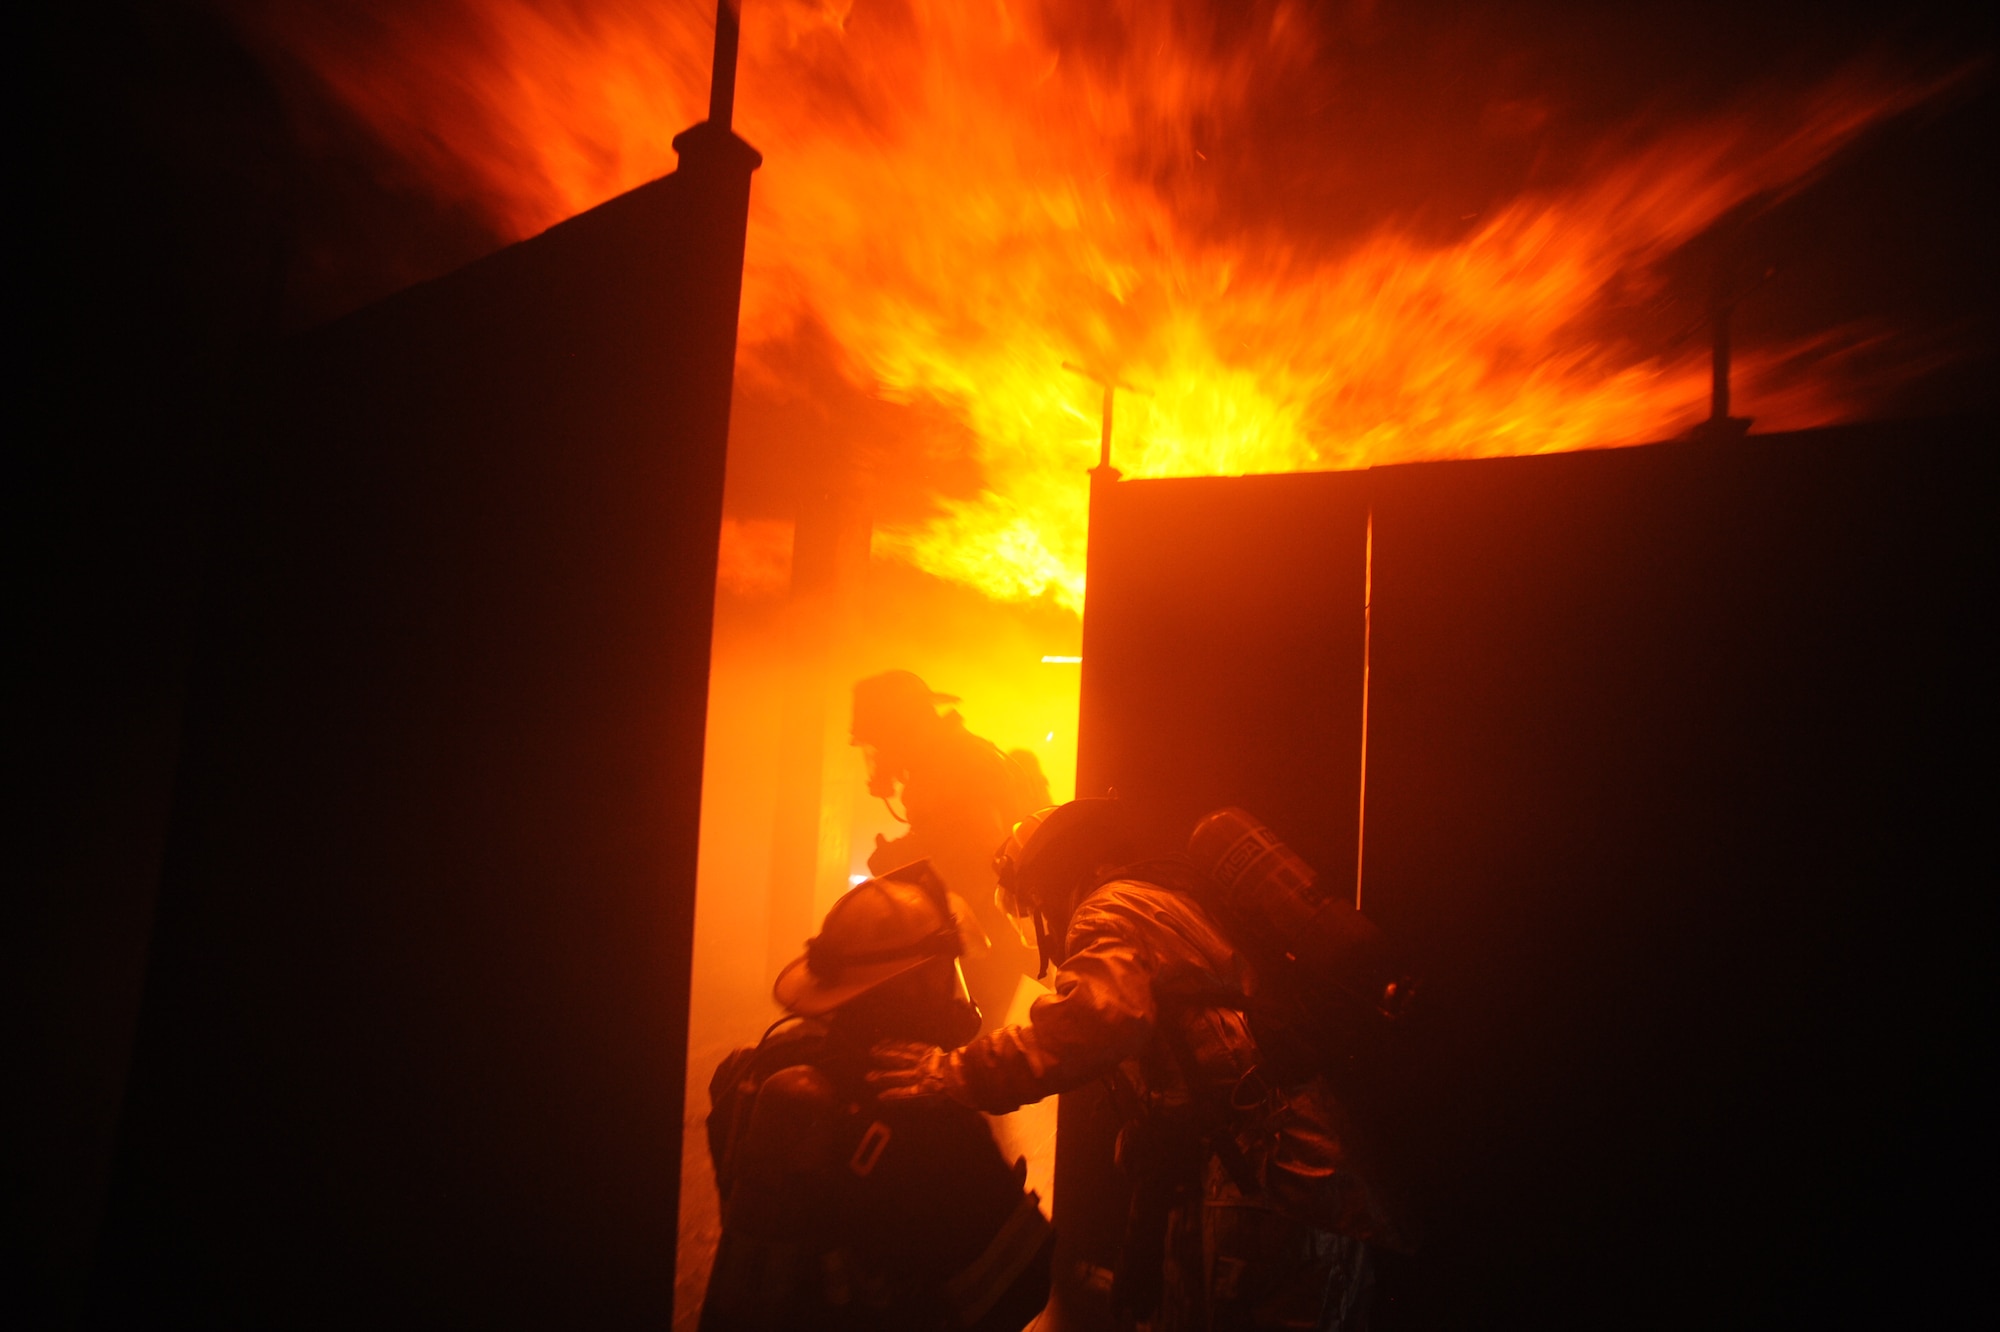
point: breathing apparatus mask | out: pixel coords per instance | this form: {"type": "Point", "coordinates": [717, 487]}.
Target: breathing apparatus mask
{"type": "Point", "coordinates": [881, 778]}
{"type": "Point", "coordinates": [892, 711]}
{"type": "Point", "coordinates": [1021, 905]}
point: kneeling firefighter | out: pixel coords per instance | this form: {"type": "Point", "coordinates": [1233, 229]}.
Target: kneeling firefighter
{"type": "Point", "coordinates": [1251, 1205]}
{"type": "Point", "coordinates": [840, 1212]}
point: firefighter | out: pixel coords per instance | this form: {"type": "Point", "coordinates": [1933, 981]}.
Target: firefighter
{"type": "Point", "coordinates": [960, 795]}
{"type": "Point", "coordinates": [1248, 1207]}
{"type": "Point", "coordinates": [843, 1213]}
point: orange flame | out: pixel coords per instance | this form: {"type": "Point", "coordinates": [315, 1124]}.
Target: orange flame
{"type": "Point", "coordinates": [963, 201]}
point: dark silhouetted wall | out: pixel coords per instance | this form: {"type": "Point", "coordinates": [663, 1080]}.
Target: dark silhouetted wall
{"type": "Point", "coordinates": [1673, 800]}
{"type": "Point", "coordinates": [1222, 661]}
{"type": "Point", "coordinates": [412, 1049]}
{"type": "Point", "coordinates": [1233, 607]}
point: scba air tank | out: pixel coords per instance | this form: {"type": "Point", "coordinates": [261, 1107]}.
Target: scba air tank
{"type": "Point", "coordinates": [1254, 869]}
{"type": "Point", "coordinates": [1327, 947]}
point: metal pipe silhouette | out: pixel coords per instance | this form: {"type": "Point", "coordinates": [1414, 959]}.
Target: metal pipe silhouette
{"type": "Point", "coordinates": [1110, 386]}
{"type": "Point", "coordinates": [722, 81]}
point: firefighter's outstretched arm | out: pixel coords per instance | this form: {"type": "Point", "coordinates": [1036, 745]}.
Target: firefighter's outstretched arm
{"type": "Point", "coordinates": [1102, 1011]}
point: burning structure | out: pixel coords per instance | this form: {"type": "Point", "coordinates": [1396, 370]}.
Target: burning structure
{"type": "Point", "coordinates": [1315, 240]}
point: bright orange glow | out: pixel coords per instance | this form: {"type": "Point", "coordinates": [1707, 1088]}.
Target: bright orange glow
{"type": "Point", "coordinates": [754, 558]}
{"type": "Point", "coordinates": [963, 206]}
{"type": "Point", "coordinates": [959, 197]}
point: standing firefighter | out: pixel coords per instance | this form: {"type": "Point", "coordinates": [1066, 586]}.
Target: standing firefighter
{"type": "Point", "coordinates": [1249, 1207]}
{"type": "Point", "coordinates": [843, 1213]}
{"type": "Point", "coordinates": [960, 795]}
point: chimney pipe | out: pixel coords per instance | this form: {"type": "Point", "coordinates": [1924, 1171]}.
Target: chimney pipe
{"type": "Point", "coordinates": [1725, 291]}
{"type": "Point", "coordinates": [1719, 389]}
{"type": "Point", "coordinates": [722, 81]}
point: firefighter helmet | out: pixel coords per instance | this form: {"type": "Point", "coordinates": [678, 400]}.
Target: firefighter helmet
{"type": "Point", "coordinates": [892, 704]}
{"type": "Point", "coordinates": [877, 931]}
{"type": "Point", "coordinates": [1050, 857]}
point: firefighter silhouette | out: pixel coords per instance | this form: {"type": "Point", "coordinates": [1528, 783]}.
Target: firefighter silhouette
{"type": "Point", "coordinates": [959, 795]}
{"type": "Point", "coordinates": [1251, 1206]}
{"type": "Point", "coordinates": [843, 1213]}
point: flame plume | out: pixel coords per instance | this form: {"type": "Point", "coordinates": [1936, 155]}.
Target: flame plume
{"type": "Point", "coordinates": [965, 193]}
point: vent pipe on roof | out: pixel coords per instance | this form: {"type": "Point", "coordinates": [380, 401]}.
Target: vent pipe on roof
{"type": "Point", "coordinates": [722, 82]}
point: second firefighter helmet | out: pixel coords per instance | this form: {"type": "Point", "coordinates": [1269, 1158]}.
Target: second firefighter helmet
{"type": "Point", "coordinates": [1051, 857]}
{"type": "Point", "coordinates": [893, 706]}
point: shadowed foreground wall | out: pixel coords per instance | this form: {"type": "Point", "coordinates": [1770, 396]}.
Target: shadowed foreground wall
{"type": "Point", "coordinates": [413, 1041]}
{"type": "Point", "coordinates": [1230, 609]}
{"type": "Point", "coordinates": [1672, 797]}
{"type": "Point", "coordinates": [1222, 652]}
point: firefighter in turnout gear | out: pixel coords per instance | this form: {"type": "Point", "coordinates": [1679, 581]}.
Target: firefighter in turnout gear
{"type": "Point", "coordinates": [959, 796]}
{"type": "Point", "coordinates": [1250, 1206]}
{"type": "Point", "coordinates": [844, 1213]}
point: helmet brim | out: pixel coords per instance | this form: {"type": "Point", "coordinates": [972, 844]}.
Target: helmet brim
{"type": "Point", "coordinates": [799, 989]}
